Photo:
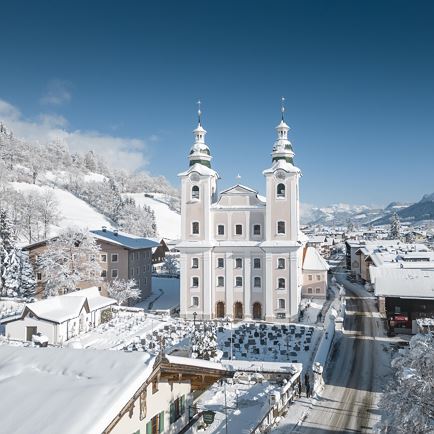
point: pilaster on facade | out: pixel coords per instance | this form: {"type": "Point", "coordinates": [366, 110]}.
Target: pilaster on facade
{"type": "Point", "coordinates": [247, 288]}
{"type": "Point", "coordinates": [229, 267]}
{"type": "Point", "coordinates": [269, 287]}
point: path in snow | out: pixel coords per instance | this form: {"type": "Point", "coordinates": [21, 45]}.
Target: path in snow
{"type": "Point", "coordinates": [356, 373]}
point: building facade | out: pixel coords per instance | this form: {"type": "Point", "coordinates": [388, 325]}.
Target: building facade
{"type": "Point", "coordinates": [241, 254]}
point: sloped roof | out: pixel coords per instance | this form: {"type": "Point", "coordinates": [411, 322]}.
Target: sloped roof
{"type": "Point", "coordinates": [314, 261]}
{"type": "Point", "coordinates": [401, 282]}
{"type": "Point", "coordinates": [282, 164]}
{"type": "Point", "coordinates": [61, 308]}
{"type": "Point", "coordinates": [239, 189]}
{"type": "Point", "coordinates": [200, 169]}
{"type": "Point", "coordinates": [131, 242]}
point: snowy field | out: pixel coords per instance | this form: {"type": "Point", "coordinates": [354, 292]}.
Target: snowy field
{"type": "Point", "coordinates": [74, 211]}
{"type": "Point", "coordinates": [164, 296]}
{"type": "Point", "coordinates": [168, 221]}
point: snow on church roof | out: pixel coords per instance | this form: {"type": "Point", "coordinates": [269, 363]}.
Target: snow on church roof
{"type": "Point", "coordinates": [284, 165]}
{"type": "Point", "coordinates": [200, 169]}
{"type": "Point", "coordinates": [72, 391]}
{"type": "Point", "coordinates": [314, 261]}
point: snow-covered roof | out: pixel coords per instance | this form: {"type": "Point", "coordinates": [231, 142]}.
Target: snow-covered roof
{"type": "Point", "coordinates": [123, 239]}
{"type": "Point", "coordinates": [314, 261]}
{"type": "Point", "coordinates": [283, 165]}
{"type": "Point", "coordinates": [62, 308]}
{"type": "Point", "coordinates": [200, 169]}
{"type": "Point", "coordinates": [188, 361]}
{"type": "Point", "coordinates": [401, 282]}
{"type": "Point", "coordinates": [317, 238]}
{"type": "Point", "coordinates": [259, 365]}
{"type": "Point", "coordinates": [94, 298]}
{"type": "Point", "coordinates": [68, 391]}
{"type": "Point", "coordinates": [239, 189]}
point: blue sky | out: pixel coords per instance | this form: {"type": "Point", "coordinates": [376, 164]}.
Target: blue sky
{"type": "Point", "coordinates": [358, 77]}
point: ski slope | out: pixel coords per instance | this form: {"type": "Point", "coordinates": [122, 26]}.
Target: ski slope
{"type": "Point", "coordinates": [74, 211]}
{"type": "Point", "coordinates": [168, 221]}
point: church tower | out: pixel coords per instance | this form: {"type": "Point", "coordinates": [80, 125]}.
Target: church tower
{"type": "Point", "coordinates": [198, 192]}
{"type": "Point", "coordinates": [282, 226]}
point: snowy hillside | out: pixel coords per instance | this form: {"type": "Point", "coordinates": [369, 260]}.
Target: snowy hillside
{"type": "Point", "coordinates": [74, 211]}
{"type": "Point", "coordinates": [168, 221]}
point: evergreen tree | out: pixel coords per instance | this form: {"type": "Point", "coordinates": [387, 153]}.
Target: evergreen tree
{"type": "Point", "coordinates": [27, 277]}
{"type": "Point", "coordinates": [7, 241]}
{"type": "Point", "coordinates": [395, 227]}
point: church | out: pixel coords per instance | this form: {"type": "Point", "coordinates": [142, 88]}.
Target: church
{"type": "Point", "coordinates": [241, 254]}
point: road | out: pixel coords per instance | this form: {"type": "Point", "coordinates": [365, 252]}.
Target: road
{"type": "Point", "coordinates": [356, 373]}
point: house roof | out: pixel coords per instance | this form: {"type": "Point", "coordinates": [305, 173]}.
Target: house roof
{"type": "Point", "coordinates": [402, 282]}
{"type": "Point", "coordinates": [62, 308]}
{"type": "Point", "coordinates": [314, 261]}
{"type": "Point", "coordinates": [131, 242]}
{"type": "Point", "coordinates": [80, 391]}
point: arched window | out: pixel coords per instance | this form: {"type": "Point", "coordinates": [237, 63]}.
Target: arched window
{"type": "Point", "coordinates": [220, 309]}
{"type": "Point", "coordinates": [280, 190]}
{"type": "Point", "coordinates": [238, 281]}
{"type": "Point", "coordinates": [281, 283]}
{"type": "Point", "coordinates": [195, 192]}
{"type": "Point", "coordinates": [257, 311]}
{"type": "Point", "coordinates": [257, 282]}
{"type": "Point", "coordinates": [238, 310]}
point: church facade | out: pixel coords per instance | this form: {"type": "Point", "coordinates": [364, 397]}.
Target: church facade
{"type": "Point", "coordinates": [241, 254]}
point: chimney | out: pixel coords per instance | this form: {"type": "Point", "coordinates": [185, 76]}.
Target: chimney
{"type": "Point", "coordinates": [104, 228]}
{"type": "Point", "coordinates": [115, 232]}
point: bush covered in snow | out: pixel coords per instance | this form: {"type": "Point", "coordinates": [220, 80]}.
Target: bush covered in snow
{"type": "Point", "coordinates": [408, 403]}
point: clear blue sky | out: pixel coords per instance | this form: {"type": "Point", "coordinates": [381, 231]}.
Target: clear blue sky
{"type": "Point", "coordinates": [358, 77]}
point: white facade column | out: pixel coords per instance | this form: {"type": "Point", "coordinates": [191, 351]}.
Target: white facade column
{"type": "Point", "coordinates": [207, 285]}
{"type": "Point", "coordinates": [183, 289]}
{"type": "Point", "coordinates": [247, 288]}
{"type": "Point", "coordinates": [269, 287]}
{"type": "Point", "coordinates": [293, 210]}
{"type": "Point", "coordinates": [229, 284]}
{"type": "Point", "coordinates": [293, 287]}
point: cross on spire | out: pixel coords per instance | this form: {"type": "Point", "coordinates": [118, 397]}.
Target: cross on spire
{"type": "Point", "coordinates": [282, 107]}
{"type": "Point", "coordinates": [199, 112]}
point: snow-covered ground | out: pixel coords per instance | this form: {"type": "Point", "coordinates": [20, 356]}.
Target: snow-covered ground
{"type": "Point", "coordinates": [164, 296]}
{"type": "Point", "coordinates": [74, 211]}
{"type": "Point", "coordinates": [168, 221]}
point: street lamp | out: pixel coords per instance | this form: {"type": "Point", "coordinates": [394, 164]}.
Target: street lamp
{"type": "Point", "coordinates": [194, 319]}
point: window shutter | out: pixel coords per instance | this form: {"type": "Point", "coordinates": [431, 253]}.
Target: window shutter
{"type": "Point", "coordinates": [149, 427]}
{"type": "Point", "coordinates": [172, 412]}
{"type": "Point", "coordinates": [161, 422]}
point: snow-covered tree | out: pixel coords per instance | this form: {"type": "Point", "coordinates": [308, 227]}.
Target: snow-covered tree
{"type": "Point", "coordinates": [123, 290]}
{"type": "Point", "coordinates": [170, 265]}
{"type": "Point", "coordinates": [48, 211]}
{"type": "Point", "coordinates": [70, 258]}
{"type": "Point", "coordinates": [7, 242]}
{"type": "Point", "coordinates": [204, 341]}
{"type": "Point", "coordinates": [408, 403]}
{"type": "Point", "coordinates": [410, 238]}
{"type": "Point", "coordinates": [395, 227]}
{"type": "Point", "coordinates": [18, 275]}
{"type": "Point", "coordinates": [90, 161]}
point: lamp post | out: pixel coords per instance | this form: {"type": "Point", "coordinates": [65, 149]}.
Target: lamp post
{"type": "Point", "coordinates": [228, 322]}
{"type": "Point", "coordinates": [194, 319]}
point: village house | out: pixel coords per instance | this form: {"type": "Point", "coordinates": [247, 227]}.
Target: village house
{"type": "Point", "coordinates": [97, 391]}
{"type": "Point", "coordinates": [315, 269]}
{"type": "Point", "coordinates": [122, 256]}
{"type": "Point", "coordinates": [60, 318]}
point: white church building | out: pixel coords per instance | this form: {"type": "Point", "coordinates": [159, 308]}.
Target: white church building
{"type": "Point", "coordinates": [241, 254]}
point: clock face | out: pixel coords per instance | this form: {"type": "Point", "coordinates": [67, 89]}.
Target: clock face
{"type": "Point", "coordinates": [194, 177]}
{"type": "Point", "coordinates": [280, 174]}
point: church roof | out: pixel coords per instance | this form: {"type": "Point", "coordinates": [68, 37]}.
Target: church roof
{"type": "Point", "coordinates": [282, 164]}
{"type": "Point", "coordinates": [200, 169]}
{"type": "Point", "coordinates": [238, 189]}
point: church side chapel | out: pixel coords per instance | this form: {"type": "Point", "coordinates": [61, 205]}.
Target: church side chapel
{"type": "Point", "coordinates": [242, 256]}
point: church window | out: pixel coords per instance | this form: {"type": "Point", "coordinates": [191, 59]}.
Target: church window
{"type": "Point", "coordinates": [195, 192]}
{"type": "Point", "coordinates": [281, 263]}
{"type": "Point", "coordinates": [238, 263]}
{"type": "Point", "coordinates": [220, 263]}
{"type": "Point", "coordinates": [195, 301]}
{"type": "Point", "coordinates": [280, 227]}
{"type": "Point", "coordinates": [257, 263]}
{"type": "Point", "coordinates": [238, 229]}
{"type": "Point", "coordinates": [220, 229]}
{"type": "Point", "coordinates": [281, 303]}
{"type": "Point", "coordinates": [220, 281]}
{"type": "Point", "coordinates": [256, 229]}
{"type": "Point", "coordinates": [280, 190]}
{"type": "Point", "coordinates": [257, 282]}
{"type": "Point", "coordinates": [281, 283]}
{"type": "Point", "coordinates": [195, 282]}
{"type": "Point", "coordinates": [195, 228]}
{"type": "Point", "coordinates": [238, 281]}
{"type": "Point", "coordinates": [195, 263]}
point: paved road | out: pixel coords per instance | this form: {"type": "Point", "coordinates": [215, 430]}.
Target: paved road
{"type": "Point", "coordinates": [358, 367]}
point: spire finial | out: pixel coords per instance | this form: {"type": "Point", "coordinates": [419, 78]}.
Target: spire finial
{"type": "Point", "coordinates": [199, 112]}
{"type": "Point", "coordinates": [282, 106]}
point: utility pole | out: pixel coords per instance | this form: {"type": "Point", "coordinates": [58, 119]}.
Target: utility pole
{"type": "Point", "coordinates": [226, 412]}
